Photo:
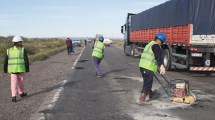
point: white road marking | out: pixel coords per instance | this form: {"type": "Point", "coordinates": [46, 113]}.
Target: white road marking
{"type": "Point", "coordinates": [73, 67]}
{"type": "Point", "coordinates": [54, 100]}
{"type": "Point", "coordinates": [57, 94]}
{"type": "Point", "coordinates": [64, 81]}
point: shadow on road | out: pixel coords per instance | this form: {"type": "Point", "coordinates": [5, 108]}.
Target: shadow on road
{"type": "Point", "coordinates": [68, 84]}
{"type": "Point", "coordinates": [114, 71]}
{"type": "Point", "coordinates": [82, 60]}
{"type": "Point", "coordinates": [78, 68]}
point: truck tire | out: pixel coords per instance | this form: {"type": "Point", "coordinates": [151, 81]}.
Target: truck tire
{"type": "Point", "coordinates": [167, 60]}
{"type": "Point", "coordinates": [132, 52]}
{"type": "Point", "coordinates": [125, 51]}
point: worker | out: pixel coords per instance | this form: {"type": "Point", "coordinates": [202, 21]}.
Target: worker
{"type": "Point", "coordinates": [151, 61]}
{"type": "Point", "coordinates": [69, 45]}
{"type": "Point", "coordinates": [85, 42]}
{"type": "Point", "coordinates": [16, 63]}
{"type": "Point", "coordinates": [98, 55]}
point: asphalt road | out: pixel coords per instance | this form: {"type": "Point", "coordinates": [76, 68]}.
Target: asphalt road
{"type": "Point", "coordinates": [83, 96]}
{"type": "Point", "coordinates": [40, 83]}
{"type": "Point", "coordinates": [60, 89]}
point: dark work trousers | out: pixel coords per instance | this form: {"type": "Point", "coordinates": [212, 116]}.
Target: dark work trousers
{"type": "Point", "coordinates": [68, 49]}
{"type": "Point", "coordinates": [148, 80]}
{"type": "Point", "coordinates": [96, 62]}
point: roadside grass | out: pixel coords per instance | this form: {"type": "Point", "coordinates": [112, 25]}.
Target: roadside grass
{"type": "Point", "coordinates": [118, 43]}
{"type": "Point", "coordinates": [46, 54]}
{"type": "Point", "coordinates": [37, 49]}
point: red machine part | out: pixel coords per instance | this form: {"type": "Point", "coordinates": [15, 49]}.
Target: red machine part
{"type": "Point", "coordinates": [179, 92]}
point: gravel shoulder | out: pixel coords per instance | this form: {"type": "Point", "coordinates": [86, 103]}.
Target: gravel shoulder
{"type": "Point", "coordinates": [41, 81]}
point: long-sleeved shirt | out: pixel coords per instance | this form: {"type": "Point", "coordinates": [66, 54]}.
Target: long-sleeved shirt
{"type": "Point", "coordinates": [158, 52]}
{"type": "Point", "coordinates": [68, 42]}
{"type": "Point", "coordinates": [25, 59]}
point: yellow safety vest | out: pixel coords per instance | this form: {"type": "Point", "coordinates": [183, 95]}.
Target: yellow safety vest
{"type": "Point", "coordinates": [98, 49]}
{"type": "Point", "coordinates": [147, 60]}
{"type": "Point", "coordinates": [16, 62]}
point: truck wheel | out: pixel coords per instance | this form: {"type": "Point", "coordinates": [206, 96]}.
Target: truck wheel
{"type": "Point", "coordinates": [132, 52]}
{"type": "Point", "coordinates": [167, 60]}
{"type": "Point", "coordinates": [125, 51]}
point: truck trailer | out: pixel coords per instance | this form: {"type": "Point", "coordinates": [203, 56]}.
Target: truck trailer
{"type": "Point", "coordinates": [189, 26]}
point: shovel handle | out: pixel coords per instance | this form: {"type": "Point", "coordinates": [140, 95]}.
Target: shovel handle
{"type": "Point", "coordinates": [164, 78]}
{"type": "Point", "coordinates": [161, 85]}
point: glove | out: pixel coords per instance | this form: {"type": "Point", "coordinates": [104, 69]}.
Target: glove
{"type": "Point", "coordinates": [162, 70]}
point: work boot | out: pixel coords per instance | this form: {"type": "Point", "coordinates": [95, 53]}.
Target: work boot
{"type": "Point", "coordinates": [23, 94]}
{"type": "Point", "coordinates": [152, 93]}
{"type": "Point", "coordinates": [142, 97]}
{"type": "Point", "coordinates": [14, 99]}
{"type": "Point", "coordinates": [99, 76]}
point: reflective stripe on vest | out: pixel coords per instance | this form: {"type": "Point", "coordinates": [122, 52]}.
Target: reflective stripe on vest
{"type": "Point", "coordinates": [147, 60]}
{"type": "Point", "coordinates": [98, 49]}
{"type": "Point", "coordinates": [153, 61]}
{"type": "Point", "coordinates": [16, 62]}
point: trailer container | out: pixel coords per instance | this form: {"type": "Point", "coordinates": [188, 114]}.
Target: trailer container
{"type": "Point", "coordinates": [189, 26]}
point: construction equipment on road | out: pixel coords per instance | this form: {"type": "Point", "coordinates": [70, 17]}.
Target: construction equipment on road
{"type": "Point", "coordinates": [178, 90]}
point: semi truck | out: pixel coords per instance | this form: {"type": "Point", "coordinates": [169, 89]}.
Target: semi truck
{"type": "Point", "coordinates": [189, 26]}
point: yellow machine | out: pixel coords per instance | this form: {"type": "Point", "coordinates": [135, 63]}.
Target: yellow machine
{"type": "Point", "coordinates": [186, 99]}
{"type": "Point", "coordinates": [189, 99]}
{"type": "Point", "coordinates": [178, 90]}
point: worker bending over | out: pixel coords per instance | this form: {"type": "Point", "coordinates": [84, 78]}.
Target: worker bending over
{"type": "Point", "coordinates": [151, 59]}
{"type": "Point", "coordinates": [98, 55]}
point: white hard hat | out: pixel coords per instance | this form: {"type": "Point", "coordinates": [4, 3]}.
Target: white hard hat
{"type": "Point", "coordinates": [17, 39]}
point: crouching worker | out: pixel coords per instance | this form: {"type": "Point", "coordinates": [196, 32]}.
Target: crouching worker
{"type": "Point", "coordinates": [16, 63]}
{"type": "Point", "coordinates": [98, 55]}
{"type": "Point", "coordinates": [151, 59]}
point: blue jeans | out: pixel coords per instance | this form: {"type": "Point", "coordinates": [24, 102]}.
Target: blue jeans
{"type": "Point", "coordinates": [96, 62]}
{"type": "Point", "coordinates": [72, 48]}
{"type": "Point", "coordinates": [68, 49]}
{"type": "Point", "coordinates": [148, 80]}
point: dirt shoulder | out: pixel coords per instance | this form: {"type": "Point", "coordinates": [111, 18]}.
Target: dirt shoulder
{"type": "Point", "coordinates": [43, 78]}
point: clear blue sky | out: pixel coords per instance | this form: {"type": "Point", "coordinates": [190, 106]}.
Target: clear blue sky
{"type": "Point", "coordinates": [63, 18]}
